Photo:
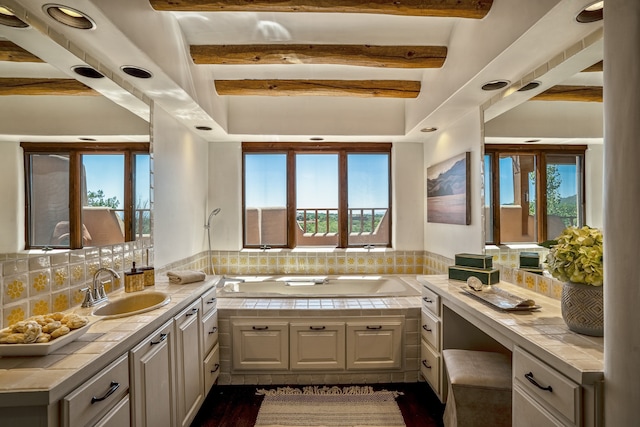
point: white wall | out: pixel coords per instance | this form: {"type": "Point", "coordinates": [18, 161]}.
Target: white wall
{"type": "Point", "coordinates": [464, 135]}
{"type": "Point", "coordinates": [225, 191]}
{"type": "Point", "coordinates": [180, 189]}
{"type": "Point", "coordinates": [594, 181]}
{"type": "Point", "coordinates": [12, 197]}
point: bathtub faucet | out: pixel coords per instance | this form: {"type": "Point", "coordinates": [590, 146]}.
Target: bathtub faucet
{"type": "Point", "coordinates": [226, 279]}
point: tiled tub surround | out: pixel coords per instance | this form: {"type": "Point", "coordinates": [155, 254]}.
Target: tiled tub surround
{"type": "Point", "coordinates": [40, 283]}
{"type": "Point", "coordinates": [305, 308]}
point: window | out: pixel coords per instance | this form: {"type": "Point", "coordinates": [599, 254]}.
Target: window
{"type": "Point", "coordinates": [532, 193]}
{"type": "Point", "coordinates": [86, 195]}
{"type": "Point", "coordinates": [331, 195]}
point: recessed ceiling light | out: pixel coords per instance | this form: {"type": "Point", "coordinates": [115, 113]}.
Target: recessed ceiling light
{"type": "Point", "coordinates": [531, 85]}
{"type": "Point", "coordinates": [592, 13]}
{"type": "Point", "coordinates": [531, 141]}
{"type": "Point", "coordinates": [316, 138]}
{"type": "Point", "coordinates": [429, 129]}
{"type": "Point", "coordinates": [87, 139]}
{"type": "Point", "coordinates": [85, 71]}
{"type": "Point", "coordinates": [495, 84]}
{"type": "Point", "coordinates": [8, 18]}
{"type": "Point", "coordinates": [138, 72]}
{"type": "Point", "coordinates": [69, 16]}
{"type": "Point", "coordinates": [204, 128]}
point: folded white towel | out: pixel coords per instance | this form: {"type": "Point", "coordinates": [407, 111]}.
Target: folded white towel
{"type": "Point", "coordinates": [183, 277]}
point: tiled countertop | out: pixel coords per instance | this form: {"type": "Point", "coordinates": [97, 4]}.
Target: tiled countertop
{"type": "Point", "coordinates": [542, 333]}
{"type": "Point", "coordinates": [28, 381]}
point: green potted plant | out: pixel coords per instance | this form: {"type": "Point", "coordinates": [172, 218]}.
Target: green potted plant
{"type": "Point", "coordinates": [575, 258]}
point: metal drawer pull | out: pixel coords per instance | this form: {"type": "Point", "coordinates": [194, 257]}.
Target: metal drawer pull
{"type": "Point", "coordinates": [426, 328]}
{"type": "Point", "coordinates": [216, 367]}
{"type": "Point", "coordinates": [259, 328]}
{"type": "Point", "coordinates": [529, 376]}
{"type": "Point", "coordinates": [213, 330]}
{"type": "Point", "coordinates": [424, 362]}
{"type": "Point", "coordinates": [374, 327]}
{"type": "Point", "coordinates": [162, 338]}
{"type": "Point", "coordinates": [317, 328]}
{"type": "Point", "coordinates": [427, 300]}
{"type": "Point", "coordinates": [192, 312]}
{"type": "Point", "coordinates": [211, 301]}
{"type": "Point", "coordinates": [112, 388]}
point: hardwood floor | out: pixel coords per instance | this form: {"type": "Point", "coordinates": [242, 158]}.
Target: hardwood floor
{"type": "Point", "coordinates": [237, 406]}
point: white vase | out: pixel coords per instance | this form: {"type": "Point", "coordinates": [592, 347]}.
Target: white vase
{"type": "Point", "coordinates": [583, 308]}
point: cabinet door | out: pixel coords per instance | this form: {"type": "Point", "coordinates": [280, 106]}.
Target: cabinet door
{"type": "Point", "coordinates": [374, 344]}
{"type": "Point", "coordinates": [317, 346]}
{"type": "Point", "coordinates": [189, 357]}
{"type": "Point", "coordinates": [260, 346]}
{"type": "Point", "coordinates": [152, 387]}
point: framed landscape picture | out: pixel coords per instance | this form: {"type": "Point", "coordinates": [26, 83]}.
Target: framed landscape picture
{"type": "Point", "coordinates": [448, 195]}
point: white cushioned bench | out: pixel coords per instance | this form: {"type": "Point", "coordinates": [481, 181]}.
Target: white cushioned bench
{"type": "Point", "coordinates": [480, 387]}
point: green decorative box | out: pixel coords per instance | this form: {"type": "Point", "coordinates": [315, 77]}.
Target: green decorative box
{"type": "Point", "coordinates": [474, 261]}
{"type": "Point", "coordinates": [486, 276]}
{"type": "Point", "coordinates": [535, 270]}
{"type": "Point", "coordinates": [529, 259]}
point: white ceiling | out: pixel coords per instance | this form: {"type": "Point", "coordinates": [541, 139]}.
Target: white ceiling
{"type": "Point", "coordinates": [519, 40]}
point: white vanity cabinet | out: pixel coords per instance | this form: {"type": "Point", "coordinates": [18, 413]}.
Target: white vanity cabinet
{"type": "Point", "coordinates": [189, 366]}
{"type": "Point", "coordinates": [542, 393]}
{"type": "Point", "coordinates": [260, 344]}
{"type": "Point", "coordinates": [152, 380]}
{"type": "Point", "coordinates": [317, 345]}
{"type": "Point", "coordinates": [103, 400]}
{"type": "Point", "coordinates": [431, 365]}
{"type": "Point", "coordinates": [210, 347]}
{"type": "Point", "coordinates": [374, 344]}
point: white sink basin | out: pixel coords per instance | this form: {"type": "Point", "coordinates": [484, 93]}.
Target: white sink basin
{"type": "Point", "coordinates": [133, 304]}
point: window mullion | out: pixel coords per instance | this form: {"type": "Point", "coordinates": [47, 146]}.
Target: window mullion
{"type": "Point", "coordinates": [75, 200]}
{"type": "Point", "coordinates": [343, 200]}
{"type": "Point", "coordinates": [542, 197]}
{"type": "Point", "coordinates": [291, 199]}
{"type": "Point", "coordinates": [129, 171]}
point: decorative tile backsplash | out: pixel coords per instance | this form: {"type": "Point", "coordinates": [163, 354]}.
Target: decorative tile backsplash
{"type": "Point", "coordinates": [52, 282]}
{"type": "Point", "coordinates": [43, 283]}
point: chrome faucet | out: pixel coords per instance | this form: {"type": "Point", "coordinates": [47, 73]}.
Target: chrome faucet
{"type": "Point", "coordinates": [96, 293]}
{"type": "Point", "coordinates": [223, 281]}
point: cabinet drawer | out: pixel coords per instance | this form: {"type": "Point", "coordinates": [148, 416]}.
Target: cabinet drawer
{"type": "Point", "coordinates": [209, 301]}
{"type": "Point", "coordinates": [430, 329]}
{"type": "Point", "coordinates": [317, 346]}
{"type": "Point", "coordinates": [547, 385]}
{"type": "Point", "coordinates": [430, 366]}
{"type": "Point", "coordinates": [260, 345]}
{"type": "Point", "coordinates": [374, 345]}
{"type": "Point", "coordinates": [98, 395]}
{"type": "Point", "coordinates": [431, 301]}
{"type": "Point", "coordinates": [211, 368]}
{"type": "Point", "coordinates": [528, 413]}
{"type": "Point", "coordinates": [210, 331]}
{"type": "Point", "coordinates": [119, 416]}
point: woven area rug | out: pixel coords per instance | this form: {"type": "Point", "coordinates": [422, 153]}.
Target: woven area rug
{"type": "Point", "coordinates": [351, 406]}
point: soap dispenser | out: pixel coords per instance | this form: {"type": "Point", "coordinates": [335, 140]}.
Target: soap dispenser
{"type": "Point", "coordinates": [133, 280]}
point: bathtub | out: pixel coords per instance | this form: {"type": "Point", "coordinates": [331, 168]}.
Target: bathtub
{"type": "Point", "coordinates": [314, 287]}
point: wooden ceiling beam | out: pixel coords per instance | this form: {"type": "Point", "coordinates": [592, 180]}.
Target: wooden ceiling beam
{"type": "Point", "coordinates": [358, 55]}
{"type": "Point", "coordinates": [353, 88]}
{"type": "Point", "coordinates": [571, 93]}
{"type": "Point", "coordinates": [11, 52]}
{"type": "Point", "coordinates": [598, 66]}
{"type": "Point", "coordinates": [60, 87]}
{"type": "Point", "coordinates": [476, 9]}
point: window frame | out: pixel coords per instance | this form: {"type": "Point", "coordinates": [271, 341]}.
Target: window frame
{"type": "Point", "coordinates": [75, 151]}
{"type": "Point", "coordinates": [293, 148]}
{"type": "Point", "coordinates": [540, 152]}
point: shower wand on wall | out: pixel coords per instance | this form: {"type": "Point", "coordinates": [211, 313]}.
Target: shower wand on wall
{"type": "Point", "coordinates": [213, 213]}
